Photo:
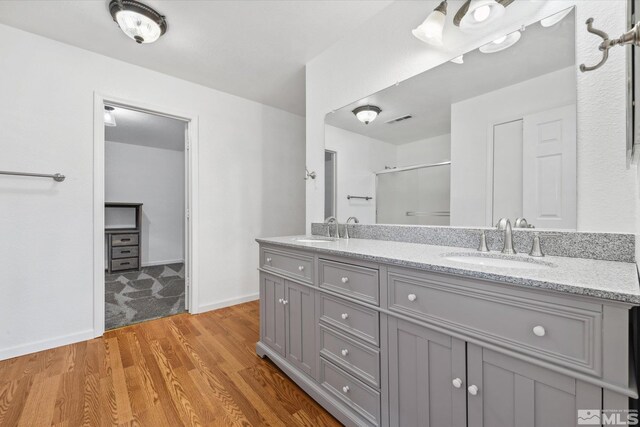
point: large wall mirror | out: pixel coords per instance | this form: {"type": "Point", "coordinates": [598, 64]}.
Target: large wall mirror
{"type": "Point", "coordinates": [487, 135]}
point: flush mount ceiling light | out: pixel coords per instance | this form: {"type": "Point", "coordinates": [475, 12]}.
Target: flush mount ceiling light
{"type": "Point", "coordinates": [430, 31]}
{"type": "Point", "coordinates": [501, 43]}
{"type": "Point", "coordinates": [109, 118]}
{"type": "Point", "coordinates": [138, 21]}
{"type": "Point", "coordinates": [552, 20]}
{"type": "Point", "coordinates": [477, 13]}
{"type": "Point", "coordinates": [367, 113]}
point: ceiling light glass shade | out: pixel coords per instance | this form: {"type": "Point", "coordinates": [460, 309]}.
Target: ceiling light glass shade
{"type": "Point", "coordinates": [480, 13]}
{"type": "Point", "coordinates": [501, 43]}
{"type": "Point", "coordinates": [430, 31]}
{"type": "Point", "coordinates": [109, 118]}
{"type": "Point", "coordinates": [367, 113]}
{"type": "Point", "coordinates": [138, 21]}
{"type": "Point", "coordinates": [458, 59]}
{"type": "Point", "coordinates": [555, 18]}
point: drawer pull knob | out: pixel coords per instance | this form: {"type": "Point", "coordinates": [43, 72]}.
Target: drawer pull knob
{"type": "Point", "coordinates": [473, 390]}
{"type": "Point", "coordinates": [345, 279]}
{"type": "Point", "coordinates": [539, 331]}
{"type": "Point", "coordinates": [301, 267]}
{"type": "Point", "coordinates": [268, 259]}
{"type": "Point", "coordinates": [285, 302]}
{"type": "Point", "coordinates": [280, 300]}
{"type": "Point", "coordinates": [412, 297]}
{"type": "Point", "coordinates": [457, 382]}
{"type": "Point", "coordinates": [345, 389]}
{"type": "Point", "coordinates": [344, 352]}
{"type": "Point", "coordinates": [345, 316]}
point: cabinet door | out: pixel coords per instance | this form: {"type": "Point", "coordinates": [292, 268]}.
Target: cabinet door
{"type": "Point", "coordinates": [508, 392]}
{"type": "Point", "coordinates": [423, 365]}
{"type": "Point", "coordinates": [272, 312]}
{"type": "Point", "coordinates": [301, 326]}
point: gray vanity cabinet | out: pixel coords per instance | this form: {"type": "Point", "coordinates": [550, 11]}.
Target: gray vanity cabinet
{"type": "Point", "coordinates": [426, 377]}
{"type": "Point", "coordinates": [288, 320]}
{"type": "Point", "coordinates": [508, 392]}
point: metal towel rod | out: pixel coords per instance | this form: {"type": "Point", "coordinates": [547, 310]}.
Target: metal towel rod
{"type": "Point", "coordinates": [360, 197]}
{"type": "Point", "coordinates": [58, 177]}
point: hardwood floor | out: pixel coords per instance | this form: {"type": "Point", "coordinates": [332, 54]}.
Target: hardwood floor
{"type": "Point", "coordinates": [189, 370]}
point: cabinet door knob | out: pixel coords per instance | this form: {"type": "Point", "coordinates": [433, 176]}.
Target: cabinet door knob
{"type": "Point", "coordinates": [457, 382]}
{"type": "Point", "coordinates": [412, 297]}
{"type": "Point", "coordinates": [285, 302]}
{"type": "Point", "coordinates": [345, 389]}
{"type": "Point", "coordinates": [280, 300]}
{"type": "Point", "coordinates": [344, 352]}
{"type": "Point", "coordinates": [345, 316]}
{"type": "Point", "coordinates": [268, 259]}
{"type": "Point", "coordinates": [473, 390]}
{"type": "Point", "coordinates": [539, 331]}
{"type": "Point", "coordinates": [345, 279]}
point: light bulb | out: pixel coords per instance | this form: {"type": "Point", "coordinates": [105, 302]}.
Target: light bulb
{"type": "Point", "coordinates": [481, 13]}
{"type": "Point", "coordinates": [500, 40]}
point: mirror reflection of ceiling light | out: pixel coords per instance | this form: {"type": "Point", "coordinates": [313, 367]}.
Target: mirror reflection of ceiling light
{"type": "Point", "coordinates": [367, 113]}
{"type": "Point", "coordinates": [137, 20]}
{"type": "Point", "coordinates": [109, 118]}
{"type": "Point", "coordinates": [552, 20]}
{"type": "Point", "coordinates": [430, 31]}
{"type": "Point", "coordinates": [458, 59]}
{"type": "Point", "coordinates": [501, 43]}
{"type": "Point", "coordinates": [477, 13]}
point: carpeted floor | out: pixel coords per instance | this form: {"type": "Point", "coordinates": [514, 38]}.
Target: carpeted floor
{"type": "Point", "coordinates": [150, 293]}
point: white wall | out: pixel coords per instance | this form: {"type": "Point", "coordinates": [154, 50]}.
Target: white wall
{"type": "Point", "coordinates": [429, 150]}
{"type": "Point", "coordinates": [358, 158]}
{"type": "Point", "coordinates": [470, 121]}
{"type": "Point", "coordinates": [351, 69]}
{"type": "Point", "coordinates": [155, 177]}
{"type": "Point", "coordinates": [251, 169]}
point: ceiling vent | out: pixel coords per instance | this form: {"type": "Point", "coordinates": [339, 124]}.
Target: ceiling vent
{"type": "Point", "coordinates": [399, 119]}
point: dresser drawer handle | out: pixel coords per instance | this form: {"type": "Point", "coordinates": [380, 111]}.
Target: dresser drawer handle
{"type": "Point", "coordinates": [345, 389]}
{"type": "Point", "coordinates": [473, 390]}
{"type": "Point", "coordinates": [457, 382]}
{"type": "Point", "coordinates": [301, 267]}
{"type": "Point", "coordinates": [125, 252]}
{"type": "Point", "coordinates": [344, 279]}
{"type": "Point", "coordinates": [344, 352]}
{"type": "Point", "coordinates": [412, 297]}
{"type": "Point", "coordinates": [125, 240]}
{"type": "Point", "coordinates": [345, 316]}
{"type": "Point", "coordinates": [124, 263]}
{"type": "Point", "coordinates": [539, 331]}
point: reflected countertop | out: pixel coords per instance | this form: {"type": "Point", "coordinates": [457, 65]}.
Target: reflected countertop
{"type": "Point", "coordinates": [610, 280]}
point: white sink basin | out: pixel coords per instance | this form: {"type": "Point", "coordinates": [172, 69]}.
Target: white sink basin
{"type": "Point", "coordinates": [319, 240]}
{"type": "Point", "coordinates": [498, 261]}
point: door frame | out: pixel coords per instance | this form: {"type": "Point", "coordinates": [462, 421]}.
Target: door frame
{"type": "Point", "coordinates": [191, 199]}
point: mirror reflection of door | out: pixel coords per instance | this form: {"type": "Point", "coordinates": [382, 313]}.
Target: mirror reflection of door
{"type": "Point", "coordinates": [330, 179]}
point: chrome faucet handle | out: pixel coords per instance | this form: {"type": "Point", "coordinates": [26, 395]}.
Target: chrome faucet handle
{"type": "Point", "coordinates": [536, 250]}
{"type": "Point", "coordinates": [482, 247]}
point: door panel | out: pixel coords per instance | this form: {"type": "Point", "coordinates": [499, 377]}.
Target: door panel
{"type": "Point", "coordinates": [301, 326]}
{"type": "Point", "coordinates": [273, 324]}
{"type": "Point", "coordinates": [422, 366]}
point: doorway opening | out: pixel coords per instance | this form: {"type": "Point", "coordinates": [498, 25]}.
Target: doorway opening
{"type": "Point", "coordinates": [144, 195]}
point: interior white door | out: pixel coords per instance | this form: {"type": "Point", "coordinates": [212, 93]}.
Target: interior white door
{"type": "Point", "coordinates": [549, 168]}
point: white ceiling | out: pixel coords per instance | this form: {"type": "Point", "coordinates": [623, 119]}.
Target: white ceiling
{"type": "Point", "coordinates": [428, 96]}
{"type": "Point", "coordinates": [256, 49]}
{"type": "Point", "coordinates": [149, 130]}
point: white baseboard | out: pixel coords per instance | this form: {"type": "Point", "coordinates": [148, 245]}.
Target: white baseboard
{"type": "Point", "coordinates": [32, 347]}
{"type": "Point", "coordinates": [228, 302]}
{"type": "Point", "coordinates": [154, 263]}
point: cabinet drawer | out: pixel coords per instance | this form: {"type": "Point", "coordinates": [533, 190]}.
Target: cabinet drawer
{"type": "Point", "coordinates": [124, 252]}
{"type": "Point", "coordinates": [360, 360]}
{"type": "Point", "coordinates": [288, 263]}
{"type": "Point", "coordinates": [124, 264]}
{"type": "Point", "coordinates": [358, 396]}
{"type": "Point", "coordinates": [124, 239]}
{"type": "Point", "coordinates": [558, 333]}
{"type": "Point", "coordinates": [351, 280]}
{"type": "Point", "coordinates": [356, 320]}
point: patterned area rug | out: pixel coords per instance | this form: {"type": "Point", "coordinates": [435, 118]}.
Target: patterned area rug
{"type": "Point", "coordinates": [150, 293]}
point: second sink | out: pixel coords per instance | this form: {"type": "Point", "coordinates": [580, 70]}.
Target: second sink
{"type": "Point", "coordinates": [497, 260]}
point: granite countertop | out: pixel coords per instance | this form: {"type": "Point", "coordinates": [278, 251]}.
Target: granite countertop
{"type": "Point", "coordinates": [611, 280]}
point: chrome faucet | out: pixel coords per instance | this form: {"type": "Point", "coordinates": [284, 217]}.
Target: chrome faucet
{"type": "Point", "coordinates": [346, 225]}
{"type": "Point", "coordinates": [505, 224]}
{"type": "Point", "coordinates": [329, 221]}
